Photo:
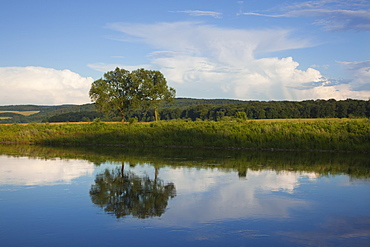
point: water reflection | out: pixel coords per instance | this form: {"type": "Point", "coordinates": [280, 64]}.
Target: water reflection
{"type": "Point", "coordinates": [26, 171]}
{"type": "Point", "coordinates": [356, 165]}
{"type": "Point", "coordinates": [352, 231]}
{"type": "Point", "coordinates": [217, 195]}
{"type": "Point", "coordinates": [182, 197]}
{"type": "Point", "coordinates": [124, 193]}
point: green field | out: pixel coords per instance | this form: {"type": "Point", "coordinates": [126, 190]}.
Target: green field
{"type": "Point", "coordinates": [24, 113]}
{"type": "Point", "coordinates": [297, 134]}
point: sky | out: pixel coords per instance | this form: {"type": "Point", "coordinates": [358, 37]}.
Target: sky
{"type": "Point", "coordinates": [51, 51]}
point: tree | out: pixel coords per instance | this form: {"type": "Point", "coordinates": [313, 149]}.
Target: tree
{"type": "Point", "coordinates": [241, 115]}
{"type": "Point", "coordinates": [152, 88]}
{"type": "Point", "coordinates": [121, 91]}
{"type": "Point", "coordinates": [115, 94]}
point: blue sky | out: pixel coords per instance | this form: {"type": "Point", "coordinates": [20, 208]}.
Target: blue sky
{"type": "Point", "coordinates": [51, 51]}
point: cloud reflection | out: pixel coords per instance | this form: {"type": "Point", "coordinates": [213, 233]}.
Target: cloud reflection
{"type": "Point", "coordinates": [220, 196]}
{"type": "Point", "coordinates": [25, 171]}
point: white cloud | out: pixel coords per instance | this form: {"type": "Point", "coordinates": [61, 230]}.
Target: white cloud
{"type": "Point", "coordinates": [200, 13]}
{"type": "Point", "coordinates": [357, 87]}
{"type": "Point", "coordinates": [200, 60]}
{"type": "Point", "coordinates": [333, 15]}
{"type": "Point", "coordinates": [206, 61]}
{"type": "Point", "coordinates": [38, 85]}
{"type": "Point", "coordinates": [360, 72]}
{"type": "Point", "coordinates": [222, 61]}
{"type": "Point", "coordinates": [279, 78]}
{"type": "Point", "coordinates": [195, 38]}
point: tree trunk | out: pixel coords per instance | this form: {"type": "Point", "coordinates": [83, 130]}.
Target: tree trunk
{"type": "Point", "coordinates": [123, 169]}
{"type": "Point", "coordinates": [156, 113]}
{"type": "Point", "coordinates": [123, 116]}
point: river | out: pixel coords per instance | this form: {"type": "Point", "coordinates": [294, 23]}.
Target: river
{"type": "Point", "coordinates": [115, 196]}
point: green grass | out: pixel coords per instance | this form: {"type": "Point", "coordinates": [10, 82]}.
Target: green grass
{"type": "Point", "coordinates": [320, 134]}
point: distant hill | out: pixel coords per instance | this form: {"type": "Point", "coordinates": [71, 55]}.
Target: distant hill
{"type": "Point", "coordinates": [195, 109]}
{"type": "Point", "coordinates": [186, 102]}
{"type": "Point", "coordinates": [44, 112]}
{"type": "Point", "coordinates": [40, 108]}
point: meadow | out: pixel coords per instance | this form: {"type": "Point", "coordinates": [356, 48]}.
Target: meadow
{"type": "Point", "coordinates": [287, 134]}
{"type": "Point", "coordinates": [24, 113]}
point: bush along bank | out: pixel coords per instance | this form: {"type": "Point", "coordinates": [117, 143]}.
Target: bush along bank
{"type": "Point", "coordinates": [319, 134]}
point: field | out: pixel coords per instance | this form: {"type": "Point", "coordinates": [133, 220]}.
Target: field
{"type": "Point", "coordinates": [303, 134]}
{"type": "Point", "coordinates": [24, 113]}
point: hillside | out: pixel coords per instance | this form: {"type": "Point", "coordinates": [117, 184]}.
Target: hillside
{"type": "Point", "coordinates": [12, 113]}
{"type": "Point", "coordinates": [195, 109]}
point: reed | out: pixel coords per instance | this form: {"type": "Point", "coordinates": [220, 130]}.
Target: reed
{"type": "Point", "coordinates": [322, 134]}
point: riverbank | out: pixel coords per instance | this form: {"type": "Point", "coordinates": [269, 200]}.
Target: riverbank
{"type": "Point", "coordinates": [294, 134]}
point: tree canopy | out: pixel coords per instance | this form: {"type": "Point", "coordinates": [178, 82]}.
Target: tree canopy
{"type": "Point", "coordinates": [153, 89]}
{"type": "Point", "coordinates": [121, 91]}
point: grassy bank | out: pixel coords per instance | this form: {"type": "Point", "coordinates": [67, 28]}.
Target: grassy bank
{"type": "Point", "coordinates": [318, 134]}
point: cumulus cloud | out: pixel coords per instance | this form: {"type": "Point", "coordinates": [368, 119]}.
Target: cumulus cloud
{"type": "Point", "coordinates": [333, 15]}
{"type": "Point", "coordinates": [222, 62]}
{"type": "Point", "coordinates": [357, 86]}
{"type": "Point", "coordinates": [38, 85]}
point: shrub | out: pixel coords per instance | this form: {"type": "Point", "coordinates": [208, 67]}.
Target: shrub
{"type": "Point", "coordinates": [133, 120]}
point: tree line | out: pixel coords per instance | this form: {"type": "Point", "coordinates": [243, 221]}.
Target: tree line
{"type": "Point", "coordinates": [193, 110]}
{"type": "Point", "coordinates": [215, 110]}
{"type": "Point", "coordinates": [349, 108]}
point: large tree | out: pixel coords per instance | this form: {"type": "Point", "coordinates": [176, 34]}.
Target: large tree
{"type": "Point", "coordinates": [115, 93]}
{"type": "Point", "coordinates": [153, 89]}
{"type": "Point", "coordinates": [121, 91]}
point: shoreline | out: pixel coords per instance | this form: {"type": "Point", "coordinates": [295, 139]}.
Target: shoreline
{"type": "Point", "coordinates": [189, 147]}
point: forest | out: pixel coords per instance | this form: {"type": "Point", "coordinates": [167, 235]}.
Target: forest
{"type": "Point", "coordinates": [197, 109]}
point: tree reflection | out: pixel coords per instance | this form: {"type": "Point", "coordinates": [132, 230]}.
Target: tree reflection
{"type": "Point", "coordinates": [124, 193]}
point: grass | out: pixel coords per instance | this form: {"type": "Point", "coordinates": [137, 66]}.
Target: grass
{"type": "Point", "coordinates": [24, 113]}
{"type": "Point", "coordinates": [304, 134]}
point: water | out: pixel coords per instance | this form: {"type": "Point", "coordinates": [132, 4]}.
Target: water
{"type": "Point", "coordinates": [151, 197]}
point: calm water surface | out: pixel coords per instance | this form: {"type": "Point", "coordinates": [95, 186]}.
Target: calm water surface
{"type": "Point", "coordinates": [80, 198]}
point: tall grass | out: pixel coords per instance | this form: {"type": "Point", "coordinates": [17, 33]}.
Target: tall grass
{"type": "Point", "coordinates": [321, 134]}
